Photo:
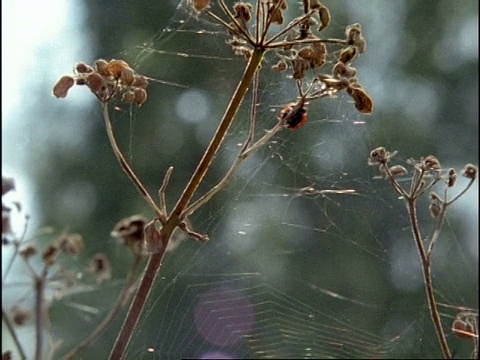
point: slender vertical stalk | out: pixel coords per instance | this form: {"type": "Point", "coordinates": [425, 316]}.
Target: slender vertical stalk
{"type": "Point", "coordinates": [39, 316]}
{"type": "Point", "coordinates": [155, 261]}
{"type": "Point", "coordinates": [427, 278]}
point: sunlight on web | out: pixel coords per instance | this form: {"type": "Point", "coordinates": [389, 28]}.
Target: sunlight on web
{"type": "Point", "coordinates": [310, 256]}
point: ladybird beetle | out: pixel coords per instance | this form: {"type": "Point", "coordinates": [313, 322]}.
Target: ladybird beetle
{"type": "Point", "coordinates": [297, 117]}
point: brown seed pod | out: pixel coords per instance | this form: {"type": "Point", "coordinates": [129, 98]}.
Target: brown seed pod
{"type": "Point", "coordinates": [325, 17]}
{"type": "Point", "coordinates": [71, 244]}
{"type": "Point", "coordinates": [280, 66]}
{"type": "Point", "coordinates": [378, 156]}
{"type": "Point", "coordinates": [452, 177]}
{"type": "Point", "coordinates": [275, 15]}
{"type": "Point", "coordinates": [363, 102]}
{"type": "Point", "coordinates": [463, 329]}
{"type": "Point", "coordinates": [128, 97]}
{"type": "Point", "coordinates": [398, 170]}
{"type": "Point", "coordinates": [470, 171]}
{"type": "Point", "coordinates": [96, 83]}
{"type": "Point", "coordinates": [200, 5]}
{"type": "Point", "coordinates": [82, 68]}
{"type": "Point", "coordinates": [116, 67]}
{"type": "Point", "coordinates": [436, 205]}
{"type": "Point", "coordinates": [60, 90]}
{"type": "Point", "coordinates": [431, 163]}
{"type": "Point", "coordinates": [342, 70]}
{"type": "Point", "coordinates": [140, 81]}
{"type": "Point", "coordinates": [140, 96]}
{"type": "Point", "coordinates": [348, 54]}
{"type": "Point", "coordinates": [28, 251]}
{"type": "Point", "coordinates": [101, 67]}
{"type": "Point", "coordinates": [127, 76]}
{"type": "Point", "coordinates": [50, 254]}
{"type": "Point", "coordinates": [20, 315]}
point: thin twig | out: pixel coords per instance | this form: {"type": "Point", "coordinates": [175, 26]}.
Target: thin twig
{"type": "Point", "coordinates": [128, 170]}
{"type": "Point", "coordinates": [427, 278]}
{"type": "Point", "coordinates": [39, 315]}
{"type": "Point", "coordinates": [162, 191]}
{"type": "Point", "coordinates": [155, 261]}
{"type": "Point", "coordinates": [122, 300]}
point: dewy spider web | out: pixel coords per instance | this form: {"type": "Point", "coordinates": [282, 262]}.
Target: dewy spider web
{"type": "Point", "coordinates": [309, 257]}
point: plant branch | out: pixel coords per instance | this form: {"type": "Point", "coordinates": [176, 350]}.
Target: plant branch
{"type": "Point", "coordinates": [128, 170]}
{"type": "Point", "coordinates": [39, 315]}
{"type": "Point", "coordinates": [172, 222]}
{"type": "Point", "coordinates": [427, 278]}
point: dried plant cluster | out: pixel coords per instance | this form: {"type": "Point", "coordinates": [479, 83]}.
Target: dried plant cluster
{"type": "Point", "coordinates": [426, 174]}
{"type": "Point", "coordinates": [318, 67]}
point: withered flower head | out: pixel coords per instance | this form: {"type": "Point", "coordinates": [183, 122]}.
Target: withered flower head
{"type": "Point", "coordinates": [363, 102]}
{"type": "Point", "coordinates": [379, 156]}
{"type": "Point", "coordinates": [436, 205]}
{"type": "Point", "coordinates": [100, 268]}
{"type": "Point", "coordinates": [325, 17]}
{"type": "Point", "coordinates": [348, 54]}
{"type": "Point", "coordinates": [130, 231]}
{"type": "Point", "coordinates": [470, 171]}
{"type": "Point", "coordinates": [355, 37]}
{"type": "Point", "coordinates": [71, 244]}
{"type": "Point", "coordinates": [398, 170]}
{"type": "Point", "coordinates": [60, 90]}
{"type": "Point", "coordinates": [50, 254]}
{"type": "Point", "coordinates": [28, 251]}
{"type": "Point", "coordinates": [452, 177]}
{"type": "Point", "coordinates": [200, 5]}
{"type": "Point", "coordinates": [20, 315]}
{"type": "Point", "coordinates": [431, 163]}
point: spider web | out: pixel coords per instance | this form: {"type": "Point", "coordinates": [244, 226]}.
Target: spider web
{"type": "Point", "coordinates": [309, 256]}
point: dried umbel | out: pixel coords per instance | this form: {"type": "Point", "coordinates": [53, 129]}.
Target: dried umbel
{"type": "Point", "coordinates": [107, 80]}
{"type": "Point", "coordinates": [131, 232]}
{"type": "Point", "coordinates": [379, 156]}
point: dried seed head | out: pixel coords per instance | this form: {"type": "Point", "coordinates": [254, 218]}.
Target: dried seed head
{"type": "Point", "coordinates": [127, 76]}
{"type": "Point", "coordinates": [100, 268]}
{"type": "Point", "coordinates": [20, 315]}
{"type": "Point", "coordinates": [60, 90]}
{"type": "Point", "coordinates": [96, 83]}
{"type": "Point", "coordinates": [140, 81]}
{"type": "Point", "coordinates": [379, 156]}
{"type": "Point", "coordinates": [300, 67]}
{"type": "Point", "coordinates": [348, 54]}
{"type": "Point", "coordinates": [101, 67]}
{"type": "Point", "coordinates": [82, 68]}
{"type": "Point", "coordinates": [243, 13]}
{"type": "Point", "coordinates": [431, 163]}
{"type": "Point", "coordinates": [452, 177]}
{"type": "Point", "coordinates": [130, 231]}
{"type": "Point", "coordinates": [28, 251]}
{"type": "Point", "coordinates": [325, 17]}
{"type": "Point", "coordinates": [116, 67]}
{"type": "Point", "coordinates": [71, 244]}
{"type": "Point", "coordinates": [398, 170]}
{"type": "Point", "coordinates": [8, 184]}
{"type": "Point", "coordinates": [140, 96]}
{"type": "Point", "coordinates": [50, 254]}
{"type": "Point", "coordinates": [436, 205]}
{"type": "Point", "coordinates": [355, 37]}
{"type": "Point", "coordinates": [128, 97]}
{"type": "Point", "coordinates": [342, 70]}
{"type": "Point", "coordinates": [200, 5]}
{"type": "Point", "coordinates": [470, 171]}
{"type": "Point", "coordinates": [280, 66]}
{"type": "Point", "coordinates": [275, 14]}
{"type": "Point", "coordinates": [80, 81]}
{"type": "Point", "coordinates": [464, 329]}
{"type": "Point", "coordinates": [363, 102]}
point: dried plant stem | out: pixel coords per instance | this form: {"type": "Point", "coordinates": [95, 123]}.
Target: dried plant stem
{"type": "Point", "coordinates": [427, 278]}
{"type": "Point", "coordinates": [128, 170]}
{"type": "Point", "coordinates": [13, 334]}
{"type": "Point", "coordinates": [122, 300]}
{"type": "Point", "coordinates": [39, 315]}
{"type": "Point", "coordinates": [172, 222]}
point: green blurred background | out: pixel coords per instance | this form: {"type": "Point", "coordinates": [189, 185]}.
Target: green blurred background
{"type": "Point", "coordinates": [285, 253]}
